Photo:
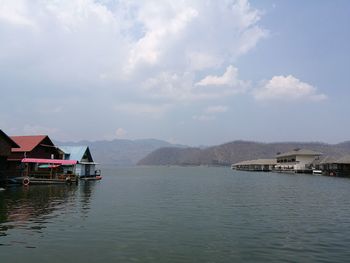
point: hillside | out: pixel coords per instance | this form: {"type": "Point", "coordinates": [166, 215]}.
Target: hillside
{"type": "Point", "coordinates": [121, 152]}
{"type": "Point", "coordinates": [236, 151]}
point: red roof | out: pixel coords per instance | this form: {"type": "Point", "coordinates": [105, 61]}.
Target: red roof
{"type": "Point", "coordinates": [51, 161]}
{"type": "Point", "coordinates": [27, 143]}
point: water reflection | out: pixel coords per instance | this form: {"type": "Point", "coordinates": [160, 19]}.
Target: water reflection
{"type": "Point", "coordinates": [33, 208]}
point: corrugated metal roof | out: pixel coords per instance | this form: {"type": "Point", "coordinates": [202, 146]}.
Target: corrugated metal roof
{"type": "Point", "coordinates": [27, 143]}
{"type": "Point", "coordinates": [298, 152]}
{"type": "Point", "coordinates": [76, 152]}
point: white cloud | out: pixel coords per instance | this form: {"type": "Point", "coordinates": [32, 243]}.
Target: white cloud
{"type": "Point", "coordinates": [202, 60]}
{"type": "Point", "coordinates": [16, 13]}
{"type": "Point", "coordinates": [147, 55]}
{"type": "Point", "coordinates": [286, 89]}
{"type": "Point", "coordinates": [181, 87]}
{"type": "Point", "coordinates": [171, 86]}
{"type": "Point", "coordinates": [229, 78]}
{"type": "Point", "coordinates": [160, 30]}
{"type": "Point", "coordinates": [120, 133]}
{"type": "Point", "coordinates": [89, 42]}
{"type": "Point", "coordinates": [226, 84]}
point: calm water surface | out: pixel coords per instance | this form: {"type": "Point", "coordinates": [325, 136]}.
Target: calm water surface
{"type": "Point", "coordinates": [174, 214]}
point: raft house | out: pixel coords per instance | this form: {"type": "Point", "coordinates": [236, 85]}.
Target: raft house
{"type": "Point", "coordinates": [296, 161]}
{"type": "Point", "coordinates": [332, 166]}
{"type": "Point", "coordinates": [259, 165]}
{"type": "Point", "coordinates": [36, 160]}
{"type": "Point", "coordinates": [85, 168]}
{"type": "Point", "coordinates": [36, 146]}
{"type": "Point", "coordinates": [6, 144]}
{"type": "Point", "coordinates": [300, 161]}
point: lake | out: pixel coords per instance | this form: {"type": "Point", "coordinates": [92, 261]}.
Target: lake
{"type": "Point", "coordinates": [179, 214]}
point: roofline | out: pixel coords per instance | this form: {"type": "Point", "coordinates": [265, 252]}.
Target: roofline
{"type": "Point", "coordinates": [40, 143]}
{"type": "Point", "coordinates": [12, 142]}
{"type": "Point", "coordinates": [299, 153]}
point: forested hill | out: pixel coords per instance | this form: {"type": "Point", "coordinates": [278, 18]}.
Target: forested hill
{"type": "Point", "coordinates": [236, 151]}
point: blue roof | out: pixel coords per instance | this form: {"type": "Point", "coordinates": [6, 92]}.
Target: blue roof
{"type": "Point", "coordinates": [75, 152]}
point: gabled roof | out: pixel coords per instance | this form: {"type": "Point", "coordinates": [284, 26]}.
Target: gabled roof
{"type": "Point", "coordinates": [8, 139]}
{"type": "Point", "coordinates": [76, 152]}
{"type": "Point", "coordinates": [299, 152]}
{"type": "Point", "coordinates": [258, 162]}
{"type": "Point", "coordinates": [27, 143]}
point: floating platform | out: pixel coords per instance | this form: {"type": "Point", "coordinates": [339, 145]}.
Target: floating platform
{"type": "Point", "coordinates": [26, 181]}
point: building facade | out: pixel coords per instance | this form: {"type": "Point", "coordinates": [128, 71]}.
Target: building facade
{"type": "Point", "coordinates": [85, 166]}
{"type": "Point", "coordinates": [6, 144]}
{"type": "Point", "coordinates": [298, 160]}
{"type": "Point", "coordinates": [264, 165]}
{"type": "Point", "coordinates": [36, 146]}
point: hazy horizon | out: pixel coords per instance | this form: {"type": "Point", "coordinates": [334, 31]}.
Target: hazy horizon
{"type": "Point", "coordinates": [187, 72]}
{"type": "Point", "coordinates": [201, 145]}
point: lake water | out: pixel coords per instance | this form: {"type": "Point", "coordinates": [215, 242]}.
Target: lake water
{"type": "Point", "coordinates": [175, 214]}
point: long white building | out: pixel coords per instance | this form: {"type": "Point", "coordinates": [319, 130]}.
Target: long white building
{"type": "Point", "coordinates": [298, 160]}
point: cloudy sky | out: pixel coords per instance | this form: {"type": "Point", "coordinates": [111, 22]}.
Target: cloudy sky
{"type": "Point", "coordinates": [198, 72]}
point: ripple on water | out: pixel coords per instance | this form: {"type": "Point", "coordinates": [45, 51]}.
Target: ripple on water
{"type": "Point", "coordinates": [181, 215]}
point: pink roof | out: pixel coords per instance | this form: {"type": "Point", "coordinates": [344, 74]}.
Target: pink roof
{"type": "Point", "coordinates": [27, 143]}
{"type": "Point", "coordinates": [51, 161]}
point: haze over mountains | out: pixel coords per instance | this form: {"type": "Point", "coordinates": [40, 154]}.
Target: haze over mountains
{"type": "Point", "coordinates": [121, 152]}
{"type": "Point", "coordinates": [158, 152]}
{"type": "Point", "coordinates": [236, 151]}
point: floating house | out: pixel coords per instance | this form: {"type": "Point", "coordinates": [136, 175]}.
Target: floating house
{"type": "Point", "coordinates": [37, 146]}
{"type": "Point", "coordinates": [6, 144]}
{"type": "Point", "coordinates": [298, 161]}
{"type": "Point", "coordinates": [263, 165]}
{"type": "Point", "coordinates": [335, 167]}
{"type": "Point", "coordinates": [85, 167]}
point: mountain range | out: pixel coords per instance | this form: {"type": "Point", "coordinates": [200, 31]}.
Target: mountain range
{"type": "Point", "coordinates": [121, 152]}
{"type": "Point", "coordinates": [159, 152]}
{"type": "Point", "coordinates": [236, 151]}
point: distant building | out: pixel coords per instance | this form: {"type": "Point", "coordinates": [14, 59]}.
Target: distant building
{"type": "Point", "coordinates": [263, 165]}
{"type": "Point", "coordinates": [336, 167]}
{"type": "Point", "coordinates": [6, 144]}
{"type": "Point", "coordinates": [298, 160]}
{"type": "Point", "coordinates": [86, 166]}
{"type": "Point", "coordinates": [36, 146]}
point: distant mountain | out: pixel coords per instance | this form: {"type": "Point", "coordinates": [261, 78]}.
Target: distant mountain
{"type": "Point", "coordinates": [121, 152]}
{"type": "Point", "coordinates": [236, 151]}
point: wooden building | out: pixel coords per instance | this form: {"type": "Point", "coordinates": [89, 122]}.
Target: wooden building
{"type": "Point", "coordinates": [6, 144]}
{"type": "Point", "coordinates": [37, 146]}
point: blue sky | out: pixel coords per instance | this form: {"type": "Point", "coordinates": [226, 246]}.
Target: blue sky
{"type": "Point", "coordinates": [192, 72]}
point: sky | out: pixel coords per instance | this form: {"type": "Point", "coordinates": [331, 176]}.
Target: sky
{"type": "Point", "coordinates": [195, 72]}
